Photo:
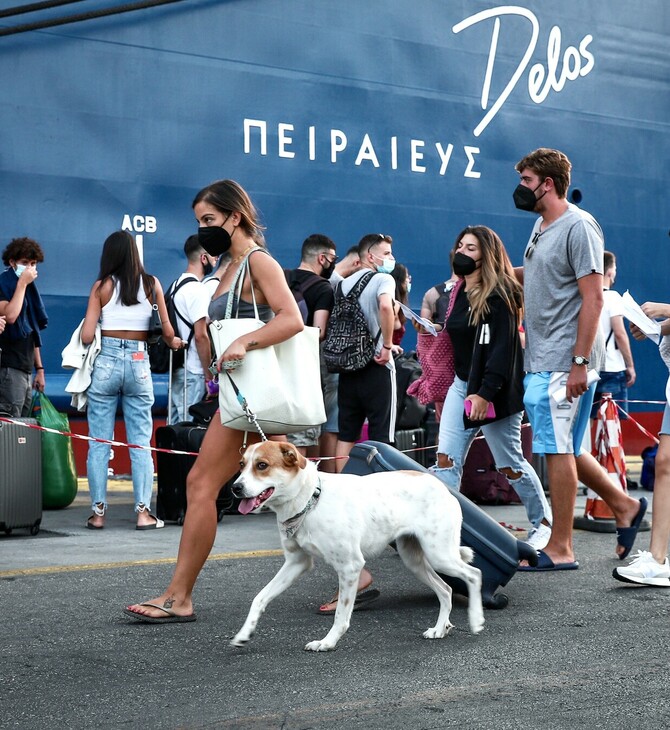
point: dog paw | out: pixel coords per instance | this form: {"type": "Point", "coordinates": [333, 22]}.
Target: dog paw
{"type": "Point", "coordinates": [436, 633]}
{"type": "Point", "coordinates": [477, 627]}
{"type": "Point", "coordinates": [239, 640]}
{"type": "Point", "coordinates": [319, 646]}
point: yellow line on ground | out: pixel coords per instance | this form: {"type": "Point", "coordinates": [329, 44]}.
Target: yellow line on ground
{"type": "Point", "coordinates": [133, 563]}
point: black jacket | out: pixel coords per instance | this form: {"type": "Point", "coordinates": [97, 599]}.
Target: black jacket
{"type": "Point", "coordinates": [497, 356]}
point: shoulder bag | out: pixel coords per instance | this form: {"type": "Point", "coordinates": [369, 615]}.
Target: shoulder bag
{"type": "Point", "coordinates": [280, 384]}
{"type": "Point", "coordinates": [436, 355]}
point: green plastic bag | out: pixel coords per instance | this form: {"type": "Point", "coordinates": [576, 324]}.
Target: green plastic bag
{"type": "Point", "coordinates": [59, 473]}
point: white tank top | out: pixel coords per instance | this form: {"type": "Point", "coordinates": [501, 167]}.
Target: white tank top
{"type": "Point", "coordinates": [117, 316]}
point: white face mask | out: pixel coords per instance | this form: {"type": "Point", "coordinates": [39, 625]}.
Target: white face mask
{"type": "Point", "coordinates": [20, 268]}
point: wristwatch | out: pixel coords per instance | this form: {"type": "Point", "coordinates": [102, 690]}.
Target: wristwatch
{"type": "Point", "coordinates": [579, 360]}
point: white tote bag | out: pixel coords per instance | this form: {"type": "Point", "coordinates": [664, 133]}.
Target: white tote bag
{"type": "Point", "coordinates": [281, 384]}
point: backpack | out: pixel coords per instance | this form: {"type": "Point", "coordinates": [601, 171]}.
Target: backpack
{"type": "Point", "coordinates": [348, 345]}
{"type": "Point", "coordinates": [298, 290]}
{"type": "Point", "coordinates": [159, 352]}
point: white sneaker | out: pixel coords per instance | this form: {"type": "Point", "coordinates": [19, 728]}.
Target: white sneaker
{"type": "Point", "coordinates": [538, 537]}
{"type": "Point", "coordinates": [644, 569]}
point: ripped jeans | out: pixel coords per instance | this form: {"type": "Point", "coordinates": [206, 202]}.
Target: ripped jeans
{"type": "Point", "coordinates": [503, 438]}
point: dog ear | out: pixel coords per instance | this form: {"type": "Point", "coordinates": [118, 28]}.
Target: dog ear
{"type": "Point", "coordinates": [292, 456]}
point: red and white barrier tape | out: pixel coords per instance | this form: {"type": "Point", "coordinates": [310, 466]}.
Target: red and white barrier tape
{"type": "Point", "coordinates": [81, 437]}
{"type": "Point", "coordinates": [122, 444]}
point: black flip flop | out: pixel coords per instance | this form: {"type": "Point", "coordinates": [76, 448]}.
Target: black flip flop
{"type": "Point", "coordinates": [363, 599]}
{"type": "Point", "coordinates": [170, 618]}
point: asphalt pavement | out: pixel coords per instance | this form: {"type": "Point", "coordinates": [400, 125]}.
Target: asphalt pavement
{"type": "Point", "coordinates": [571, 649]}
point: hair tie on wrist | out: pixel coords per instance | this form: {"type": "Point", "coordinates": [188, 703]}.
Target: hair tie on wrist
{"type": "Point", "coordinates": [386, 347]}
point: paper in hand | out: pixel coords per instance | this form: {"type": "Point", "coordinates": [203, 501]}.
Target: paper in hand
{"type": "Point", "coordinates": [633, 313]}
{"type": "Point", "coordinates": [425, 323]}
{"type": "Point", "coordinates": [557, 384]}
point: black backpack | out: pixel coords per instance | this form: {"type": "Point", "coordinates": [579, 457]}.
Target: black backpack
{"type": "Point", "coordinates": [159, 352]}
{"type": "Point", "coordinates": [348, 345]}
{"type": "Point", "coordinates": [298, 290]}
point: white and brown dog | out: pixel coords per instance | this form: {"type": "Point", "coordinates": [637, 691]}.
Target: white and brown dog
{"type": "Point", "coordinates": [345, 519]}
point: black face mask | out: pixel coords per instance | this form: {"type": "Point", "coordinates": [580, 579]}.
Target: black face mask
{"type": "Point", "coordinates": [463, 265]}
{"type": "Point", "coordinates": [524, 198]}
{"type": "Point", "coordinates": [215, 239]}
{"type": "Point", "coordinates": [327, 271]}
{"type": "Point", "coordinates": [207, 268]}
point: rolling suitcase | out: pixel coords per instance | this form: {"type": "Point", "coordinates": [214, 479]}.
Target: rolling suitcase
{"type": "Point", "coordinates": [413, 441]}
{"type": "Point", "coordinates": [20, 477]}
{"type": "Point", "coordinates": [172, 470]}
{"type": "Point", "coordinates": [497, 553]}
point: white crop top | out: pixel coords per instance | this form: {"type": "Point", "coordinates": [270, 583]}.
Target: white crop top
{"type": "Point", "coordinates": [117, 316]}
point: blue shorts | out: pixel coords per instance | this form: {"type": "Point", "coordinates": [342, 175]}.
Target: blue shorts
{"type": "Point", "coordinates": [558, 428]}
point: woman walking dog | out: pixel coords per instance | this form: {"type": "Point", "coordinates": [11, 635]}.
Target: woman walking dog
{"type": "Point", "coordinates": [228, 224]}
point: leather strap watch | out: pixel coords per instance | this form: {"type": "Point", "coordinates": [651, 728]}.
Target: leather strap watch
{"type": "Point", "coordinates": [580, 360]}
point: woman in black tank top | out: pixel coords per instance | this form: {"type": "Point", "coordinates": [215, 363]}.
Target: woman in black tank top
{"type": "Point", "coordinates": [228, 224]}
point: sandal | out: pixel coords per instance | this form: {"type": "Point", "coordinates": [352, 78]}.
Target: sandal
{"type": "Point", "coordinates": [151, 525]}
{"type": "Point", "coordinates": [99, 509]}
{"type": "Point", "coordinates": [364, 596]}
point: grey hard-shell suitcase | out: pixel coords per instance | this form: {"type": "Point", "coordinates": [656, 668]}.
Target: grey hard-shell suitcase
{"type": "Point", "coordinates": [497, 552]}
{"type": "Point", "coordinates": [20, 477]}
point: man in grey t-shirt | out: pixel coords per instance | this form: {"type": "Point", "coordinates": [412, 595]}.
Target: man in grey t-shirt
{"type": "Point", "coordinates": [563, 282]}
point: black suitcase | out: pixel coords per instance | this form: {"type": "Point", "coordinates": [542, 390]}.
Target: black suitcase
{"type": "Point", "coordinates": [172, 470]}
{"type": "Point", "coordinates": [412, 442]}
{"type": "Point", "coordinates": [497, 553]}
{"type": "Point", "coordinates": [20, 476]}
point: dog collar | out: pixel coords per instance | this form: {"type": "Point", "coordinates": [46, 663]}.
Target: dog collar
{"type": "Point", "coordinates": [293, 524]}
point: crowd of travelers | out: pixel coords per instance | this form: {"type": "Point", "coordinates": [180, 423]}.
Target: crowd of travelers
{"type": "Point", "coordinates": [512, 337]}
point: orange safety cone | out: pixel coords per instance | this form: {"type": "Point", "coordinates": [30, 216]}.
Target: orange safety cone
{"type": "Point", "coordinates": [608, 450]}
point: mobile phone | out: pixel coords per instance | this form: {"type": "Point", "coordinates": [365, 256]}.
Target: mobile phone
{"type": "Point", "coordinates": [490, 411]}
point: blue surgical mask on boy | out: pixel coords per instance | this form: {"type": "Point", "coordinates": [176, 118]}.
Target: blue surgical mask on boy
{"type": "Point", "coordinates": [20, 268]}
{"type": "Point", "coordinates": [386, 266]}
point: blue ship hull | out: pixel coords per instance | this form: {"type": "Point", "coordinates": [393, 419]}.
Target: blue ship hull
{"type": "Point", "coordinates": [339, 117]}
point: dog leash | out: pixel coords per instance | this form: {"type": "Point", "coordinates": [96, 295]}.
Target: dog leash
{"type": "Point", "coordinates": [250, 415]}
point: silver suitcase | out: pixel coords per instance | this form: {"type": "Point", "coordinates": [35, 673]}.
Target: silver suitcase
{"type": "Point", "coordinates": [20, 477]}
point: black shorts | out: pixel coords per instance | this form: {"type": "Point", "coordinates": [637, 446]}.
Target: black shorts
{"type": "Point", "coordinates": [368, 393]}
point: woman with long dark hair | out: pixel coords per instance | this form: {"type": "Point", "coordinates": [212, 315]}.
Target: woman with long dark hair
{"type": "Point", "coordinates": [228, 225]}
{"type": "Point", "coordinates": [484, 328]}
{"type": "Point", "coordinates": [121, 300]}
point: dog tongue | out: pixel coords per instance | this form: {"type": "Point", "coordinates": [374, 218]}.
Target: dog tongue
{"type": "Point", "coordinates": [246, 505]}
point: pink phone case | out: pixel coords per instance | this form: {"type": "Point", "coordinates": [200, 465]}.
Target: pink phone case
{"type": "Point", "coordinates": [490, 411]}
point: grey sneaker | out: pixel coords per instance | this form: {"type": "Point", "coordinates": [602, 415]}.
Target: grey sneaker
{"type": "Point", "coordinates": [644, 570]}
{"type": "Point", "coordinates": [539, 537]}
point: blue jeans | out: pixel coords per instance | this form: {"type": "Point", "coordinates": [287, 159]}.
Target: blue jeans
{"type": "Point", "coordinates": [121, 369]}
{"type": "Point", "coordinates": [195, 392]}
{"type": "Point", "coordinates": [503, 438]}
{"type": "Point", "coordinates": [614, 383]}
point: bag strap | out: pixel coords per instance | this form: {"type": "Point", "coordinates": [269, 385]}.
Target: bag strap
{"type": "Point", "coordinates": [356, 292]}
{"type": "Point", "coordinates": [236, 284]}
{"type": "Point", "coordinates": [359, 286]}
{"type": "Point", "coordinates": [452, 298]}
{"type": "Point", "coordinates": [171, 292]}
{"type": "Point", "coordinates": [152, 300]}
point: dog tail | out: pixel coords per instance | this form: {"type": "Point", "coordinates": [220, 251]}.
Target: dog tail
{"type": "Point", "coordinates": [467, 554]}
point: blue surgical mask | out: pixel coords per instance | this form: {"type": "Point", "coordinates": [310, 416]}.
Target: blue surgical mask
{"type": "Point", "coordinates": [409, 287]}
{"type": "Point", "coordinates": [386, 266]}
{"type": "Point", "coordinates": [20, 268]}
